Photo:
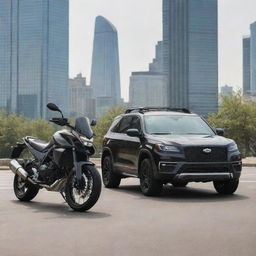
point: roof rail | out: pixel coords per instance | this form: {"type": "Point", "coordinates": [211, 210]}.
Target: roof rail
{"type": "Point", "coordinates": [142, 110]}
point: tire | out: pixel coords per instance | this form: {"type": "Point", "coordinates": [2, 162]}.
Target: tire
{"type": "Point", "coordinates": [24, 190]}
{"type": "Point", "coordinates": [148, 185]}
{"type": "Point", "coordinates": [226, 187]}
{"type": "Point", "coordinates": [110, 179]}
{"type": "Point", "coordinates": [86, 198]}
{"type": "Point", "coordinates": [179, 184]}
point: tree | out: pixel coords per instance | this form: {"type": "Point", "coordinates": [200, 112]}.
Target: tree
{"type": "Point", "coordinates": [104, 123]}
{"type": "Point", "coordinates": [13, 128]}
{"type": "Point", "coordinates": [237, 115]}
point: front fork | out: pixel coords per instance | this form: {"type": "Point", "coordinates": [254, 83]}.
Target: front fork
{"type": "Point", "coordinates": [78, 168]}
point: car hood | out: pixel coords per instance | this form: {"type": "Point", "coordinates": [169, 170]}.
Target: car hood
{"type": "Point", "coordinates": [192, 140]}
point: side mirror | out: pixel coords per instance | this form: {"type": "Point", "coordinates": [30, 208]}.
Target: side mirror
{"type": "Point", "coordinates": [220, 131]}
{"type": "Point", "coordinates": [53, 107]}
{"type": "Point", "coordinates": [133, 133]}
{"type": "Point", "coordinates": [93, 122]}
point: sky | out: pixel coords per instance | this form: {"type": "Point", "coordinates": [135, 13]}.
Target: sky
{"type": "Point", "coordinates": [139, 25]}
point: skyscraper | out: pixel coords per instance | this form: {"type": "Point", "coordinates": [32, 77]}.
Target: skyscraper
{"type": "Point", "coordinates": [81, 102]}
{"type": "Point", "coordinates": [33, 56]}
{"type": "Point", "coordinates": [253, 58]}
{"type": "Point", "coordinates": [105, 73]}
{"type": "Point", "coordinates": [149, 88]}
{"type": "Point", "coordinates": [246, 65]}
{"type": "Point", "coordinates": [190, 41]}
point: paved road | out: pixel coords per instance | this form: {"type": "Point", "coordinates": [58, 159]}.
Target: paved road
{"type": "Point", "coordinates": [188, 221]}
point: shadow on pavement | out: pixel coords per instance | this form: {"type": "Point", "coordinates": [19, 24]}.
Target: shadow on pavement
{"type": "Point", "coordinates": [187, 194]}
{"type": "Point", "coordinates": [61, 209]}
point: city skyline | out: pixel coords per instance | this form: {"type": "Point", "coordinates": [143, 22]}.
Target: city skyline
{"type": "Point", "coordinates": [138, 36]}
{"type": "Point", "coordinates": [33, 56]}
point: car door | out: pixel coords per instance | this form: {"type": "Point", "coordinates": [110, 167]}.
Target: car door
{"type": "Point", "coordinates": [132, 146]}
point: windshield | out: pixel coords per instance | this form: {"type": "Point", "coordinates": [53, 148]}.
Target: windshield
{"type": "Point", "coordinates": [166, 124]}
{"type": "Point", "coordinates": [83, 127]}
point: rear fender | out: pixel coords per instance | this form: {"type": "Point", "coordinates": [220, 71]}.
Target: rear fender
{"type": "Point", "coordinates": [17, 150]}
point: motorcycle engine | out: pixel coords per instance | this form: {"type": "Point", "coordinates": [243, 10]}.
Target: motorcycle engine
{"type": "Point", "coordinates": [48, 173]}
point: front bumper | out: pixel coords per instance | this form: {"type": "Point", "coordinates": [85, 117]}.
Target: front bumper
{"type": "Point", "coordinates": [198, 171]}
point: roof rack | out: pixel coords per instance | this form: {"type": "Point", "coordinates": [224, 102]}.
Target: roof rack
{"type": "Point", "coordinates": [148, 109]}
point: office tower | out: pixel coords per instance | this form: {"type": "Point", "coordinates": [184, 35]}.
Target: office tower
{"type": "Point", "coordinates": [33, 56]}
{"type": "Point", "coordinates": [148, 88]}
{"type": "Point", "coordinates": [81, 102]}
{"type": "Point", "coordinates": [226, 90]}
{"type": "Point", "coordinates": [190, 42]}
{"type": "Point", "coordinates": [105, 73]}
{"type": "Point", "coordinates": [157, 64]}
{"type": "Point", "coordinates": [246, 65]}
{"type": "Point", "coordinates": [253, 58]}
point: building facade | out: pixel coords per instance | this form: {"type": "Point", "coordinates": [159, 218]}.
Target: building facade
{"type": "Point", "coordinates": [246, 65]}
{"type": "Point", "coordinates": [149, 88]}
{"type": "Point", "coordinates": [253, 58]}
{"type": "Point", "coordinates": [190, 42]}
{"type": "Point", "coordinates": [81, 102]}
{"type": "Point", "coordinates": [105, 72]}
{"type": "Point", "coordinates": [33, 56]}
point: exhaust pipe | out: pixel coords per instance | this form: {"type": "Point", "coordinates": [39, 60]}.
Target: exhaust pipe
{"type": "Point", "coordinates": [16, 168]}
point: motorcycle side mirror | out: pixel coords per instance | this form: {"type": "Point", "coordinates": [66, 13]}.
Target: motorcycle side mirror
{"type": "Point", "coordinates": [93, 122]}
{"type": "Point", "coordinates": [54, 107]}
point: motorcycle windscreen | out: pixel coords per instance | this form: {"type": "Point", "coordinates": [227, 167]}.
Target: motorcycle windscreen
{"type": "Point", "coordinates": [83, 127]}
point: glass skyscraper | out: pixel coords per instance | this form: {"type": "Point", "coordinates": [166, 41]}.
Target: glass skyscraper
{"type": "Point", "coordinates": [246, 65]}
{"type": "Point", "coordinates": [105, 72]}
{"type": "Point", "coordinates": [190, 41]}
{"type": "Point", "coordinates": [33, 56]}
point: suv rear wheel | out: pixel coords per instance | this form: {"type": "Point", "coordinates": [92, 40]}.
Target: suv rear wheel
{"type": "Point", "coordinates": [226, 187]}
{"type": "Point", "coordinates": [110, 179]}
{"type": "Point", "coordinates": [149, 186]}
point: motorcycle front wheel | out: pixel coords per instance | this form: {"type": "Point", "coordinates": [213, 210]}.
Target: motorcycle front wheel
{"type": "Point", "coordinates": [82, 197]}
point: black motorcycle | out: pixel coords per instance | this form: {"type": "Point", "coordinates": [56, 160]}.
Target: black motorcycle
{"type": "Point", "coordinates": [62, 165]}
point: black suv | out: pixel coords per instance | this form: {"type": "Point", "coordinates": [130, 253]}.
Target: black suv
{"type": "Point", "coordinates": [165, 145]}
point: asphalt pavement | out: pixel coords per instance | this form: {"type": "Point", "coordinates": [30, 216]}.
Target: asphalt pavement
{"type": "Point", "coordinates": [185, 221]}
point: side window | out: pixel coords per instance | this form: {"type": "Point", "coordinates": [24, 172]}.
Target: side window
{"type": "Point", "coordinates": [124, 124]}
{"type": "Point", "coordinates": [135, 123]}
{"type": "Point", "coordinates": [115, 124]}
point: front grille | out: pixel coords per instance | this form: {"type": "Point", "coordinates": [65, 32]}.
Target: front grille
{"type": "Point", "coordinates": [196, 154]}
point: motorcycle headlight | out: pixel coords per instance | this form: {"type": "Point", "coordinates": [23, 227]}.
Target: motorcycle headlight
{"type": "Point", "coordinates": [232, 147]}
{"type": "Point", "coordinates": [86, 142]}
{"type": "Point", "coordinates": [167, 148]}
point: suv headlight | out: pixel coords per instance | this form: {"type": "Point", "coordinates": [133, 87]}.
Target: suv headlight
{"type": "Point", "coordinates": [167, 148]}
{"type": "Point", "coordinates": [86, 142]}
{"type": "Point", "coordinates": [232, 147]}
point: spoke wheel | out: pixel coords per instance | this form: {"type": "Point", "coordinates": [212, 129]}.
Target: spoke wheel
{"type": "Point", "coordinates": [110, 179]}
{"type": "Point", "coordinates": [24, 190]}
{"type": "Point", "coordinates": [81, 197]}
{"type": "Point", "coordinates": [148, 184]}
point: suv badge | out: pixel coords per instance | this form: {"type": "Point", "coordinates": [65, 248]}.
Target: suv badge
{"type": "Point", "coordinates": [207, 150]}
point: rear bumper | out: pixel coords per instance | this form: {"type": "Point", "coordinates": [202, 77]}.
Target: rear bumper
{"type": "Point", "coordinates": [198, 171]}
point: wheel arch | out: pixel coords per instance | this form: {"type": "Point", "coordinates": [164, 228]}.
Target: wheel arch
{"type": "Point", "coordinates": [146, 154]}
{"type": "Point", "coordinates": [106, 152]}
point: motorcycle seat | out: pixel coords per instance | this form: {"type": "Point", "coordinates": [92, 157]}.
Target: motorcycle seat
{"type": "Point", "coordinates": [39, 145]}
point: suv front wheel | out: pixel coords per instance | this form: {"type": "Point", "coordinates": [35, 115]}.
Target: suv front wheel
{"type": "Point", "coordinates": [226, 187]}
{"type": "Point", "coordinates": [110, 179]}
{"type": "Point", "coordinates": [149, 186]}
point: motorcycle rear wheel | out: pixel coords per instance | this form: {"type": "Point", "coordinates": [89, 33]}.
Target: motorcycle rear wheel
{"type": "Point", "coordinates": [85, 198]}
{"type": "Point", "coordinates": [24, 190]}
